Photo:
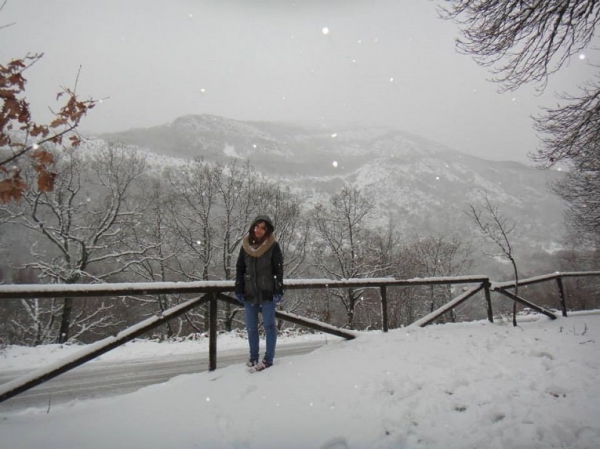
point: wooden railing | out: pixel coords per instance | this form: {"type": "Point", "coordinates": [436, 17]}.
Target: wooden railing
{"type": "Point", "coordinates": [503, 287]}
{"type": "Point", "coordinates": [213, 291]}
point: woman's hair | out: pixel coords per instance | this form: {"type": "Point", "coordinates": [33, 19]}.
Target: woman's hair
{"type": "Point", "coordinates": [253, 239]}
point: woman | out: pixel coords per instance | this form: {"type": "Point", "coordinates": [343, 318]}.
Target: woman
{"type": "Point", "coordinates": [259, 286]}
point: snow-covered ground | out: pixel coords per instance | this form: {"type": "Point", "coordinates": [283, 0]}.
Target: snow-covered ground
{"type": "Point", "coordinates": [468, 385]}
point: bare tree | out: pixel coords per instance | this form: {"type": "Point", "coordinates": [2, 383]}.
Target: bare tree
{"type": "Point", "coordinates": [527, 41]}
{"type": "Point", "coordinates": [440, 256]}
{"type": "Point", "coordinates": [584, 292]}
{"type": "Point", "coordinates": [239, 194]}
{"type": "Point", "coordinates": [80, 222]}
{"type": "Point", "coordinates": [571, 135]}
{"type": "Point", "coordinates": [496, 228]}
{"type": "Point", "coordinates": [35, 324]}
{"type": "Point", "coordinates": [194, 212]}
{"type": "Point", "coordinates": [292, 230]}
{"type": "Point", "coordinates": [212, 207]}
{"type": "Point", "coordinates": [154, 228]}
{"type": "Point", "coordinates": [344, 249]}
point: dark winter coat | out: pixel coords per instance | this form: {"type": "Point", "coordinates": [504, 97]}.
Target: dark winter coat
{"type": "Point", "coordinates": [259, 270]}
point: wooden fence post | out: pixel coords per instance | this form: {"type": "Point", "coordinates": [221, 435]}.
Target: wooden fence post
{"type": "Point", "coordinates": [488, 300]}
{"type": "Point", "coordinates": [212, 335]}
{"type": "Point", "coordinates": [561, 292]}
{"type": "Point", "coordinates": [384, 308]}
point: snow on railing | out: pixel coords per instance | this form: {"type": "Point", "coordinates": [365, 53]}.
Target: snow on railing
{"type": "Point", "coordinates": [543, 278]}
{"type": "Point", "coordinates": [162, 288]}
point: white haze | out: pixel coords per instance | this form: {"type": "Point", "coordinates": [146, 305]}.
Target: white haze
{"type": "Point", "coordinates": [380, 61]}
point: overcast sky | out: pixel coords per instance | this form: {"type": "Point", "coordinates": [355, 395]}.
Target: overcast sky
{"type": "Point", "coordinates": [384, 62]}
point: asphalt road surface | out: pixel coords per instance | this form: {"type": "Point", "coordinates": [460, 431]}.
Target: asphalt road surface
{"type": "Point", "coordinates": [104, 379]}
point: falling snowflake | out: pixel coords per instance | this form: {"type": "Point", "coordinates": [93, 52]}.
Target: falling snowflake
{"type": "Point", "coordinates": [325, 30]}
{"type": "Point", "coordinates": [582, 56]}
{"type": "Point", "coordinates": [334, 135]}
{"type": "Point", "coordinates": [335, 163]}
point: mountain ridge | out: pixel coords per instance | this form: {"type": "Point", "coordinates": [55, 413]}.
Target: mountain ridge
{"type": "Point", "coordinates": [421, 184]}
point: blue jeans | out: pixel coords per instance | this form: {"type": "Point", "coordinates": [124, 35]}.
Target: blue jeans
{"type": "Point", "coordinates": [268, 313]}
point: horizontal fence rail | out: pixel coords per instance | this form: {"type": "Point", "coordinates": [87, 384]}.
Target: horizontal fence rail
{"type": "Point", "coordinates": [503, 288]}
{"type": "Point", "coordinates": [14, 291]}
{"type": "Point", "coordinates": [213, 291]}
{"type": "Point", "coordinates": [545, 278]}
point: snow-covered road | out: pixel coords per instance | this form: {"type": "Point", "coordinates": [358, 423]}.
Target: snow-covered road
{"type": "Point", "coordinates": [112, 378]}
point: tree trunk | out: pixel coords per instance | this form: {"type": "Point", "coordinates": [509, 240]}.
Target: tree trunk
{"type": "Point", "coordinates": [350, 309]}
{"type": "Point", "coordinates": [350, 315]}
{"type": "Point", "coordinates": [514, 264]}
{"type": "Point", "coordinates": [229, 314]}
{"type": "Point", "coordinates": [65, 321]}
{"type": "Point", "coordinates": [163, 302]}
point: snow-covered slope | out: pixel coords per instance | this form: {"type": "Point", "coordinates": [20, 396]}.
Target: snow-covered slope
{"type": "Point", "coordinates": [453, 386]}
{"type": "Point", "coordinates": [420, 184]}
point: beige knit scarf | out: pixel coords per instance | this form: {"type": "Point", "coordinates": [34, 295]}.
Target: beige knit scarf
{"type": "Point", "coordinates": [259, 250]}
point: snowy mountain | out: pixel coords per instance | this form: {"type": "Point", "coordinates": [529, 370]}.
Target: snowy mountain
{"type": "Point", "coordinates": [422, 185]}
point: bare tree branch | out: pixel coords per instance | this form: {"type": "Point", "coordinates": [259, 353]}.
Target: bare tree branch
{"type": "Point", "coordinates": [523, 41]}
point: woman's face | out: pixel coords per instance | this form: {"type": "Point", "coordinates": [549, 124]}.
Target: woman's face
{"type": "Point", "coordinates": [260, 229]}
